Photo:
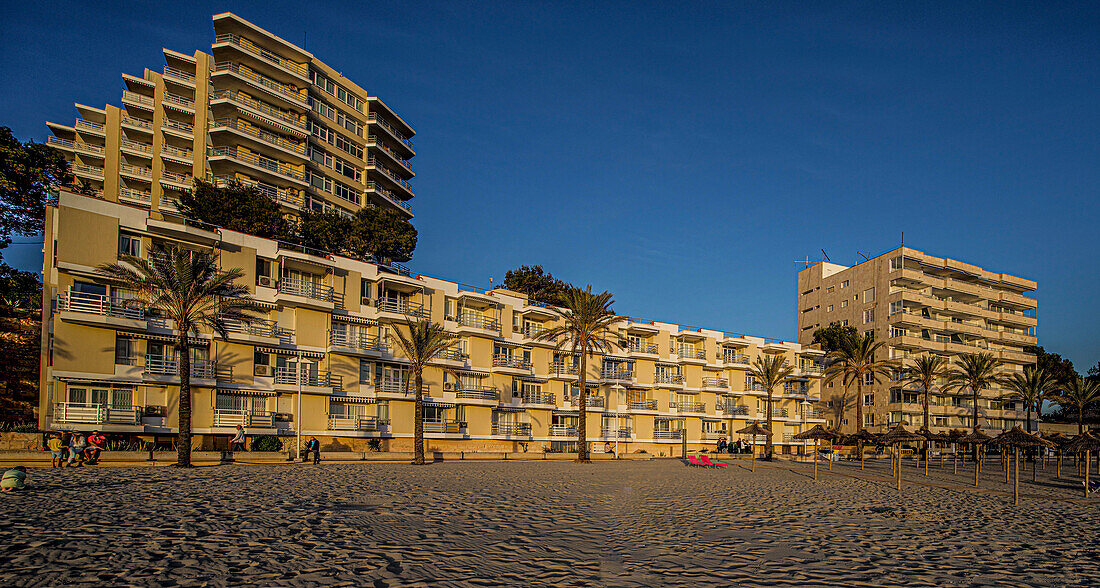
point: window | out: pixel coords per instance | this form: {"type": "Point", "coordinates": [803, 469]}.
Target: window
{"type": "Point", "coordinates": [869, 399]}
{"type": "Point", "coordinates": [129, 244]}
{"type": "Point", "coordinates": [125, 351]}
{"type": "Point", "coordinates": [364, 290]}
{"type": "Point", "coordinates": [365, 370]}
{"type": "Point", "coordinates": [868, 379]}
{"type": "Point", "coordinates": [896, 332]}
{"type": "Point", "coordinates": [897, 263]}
{"type": "Point", "coordinates": [263, 267]}
{"type": "Point", "coordinates": [844, 323]}
{"type": "Point", "coordinates": [869, 316]}
{"type": "Point", "coordinates": [897, 307]}
{"type": "Point", "coordinates": [869, 295]}
{"type": "Point", "coordinates": [844, 304]}
{"type": "Point", "coordinates": [869, 420]}
{"type": "Point", "coordinates": [829, 308]}
{"type": "Point", "coordinates": [830, 289]}
{"type": "Point", "coordinates": [346, 193]}
{"type": "Point", "coordinates": [844, 284]}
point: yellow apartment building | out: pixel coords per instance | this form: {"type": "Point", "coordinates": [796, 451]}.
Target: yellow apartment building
{"type": "Point", "coordinates": [327, 338]}
{"type": "Point", "coordinates": [256, 109]}
{"type": "Point", "coordinates": [918, 303]}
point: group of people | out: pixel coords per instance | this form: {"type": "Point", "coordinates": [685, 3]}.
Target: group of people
{"type": "Point", "coordinates": [74, 449]}
{"type": "Point", "coordinates": [736, 447]}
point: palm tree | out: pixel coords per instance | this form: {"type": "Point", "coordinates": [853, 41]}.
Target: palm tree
{"type": "Point", "coordinates": [925, 371]}
{"type": "Point", "coordinates": [1078, 394]}
{"type": "Point", "coordinates": [188, 288]}
{"type": "Point", "coordinates": [585, 321]}
{"type": "Point", "coordinates": [975, 372]}
{"type": "Point", "coordinates": [771, 371]}
{"type": "Point", "coordinates": [836, 369]}
{"type": "Point", "coordinates": [856, 363]}
{"type": "Point", "coordinates": [425, 342]}
{"type": "Point", "coordinates": [1032, 387]}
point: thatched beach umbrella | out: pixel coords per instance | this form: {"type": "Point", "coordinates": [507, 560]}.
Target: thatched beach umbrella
{"type": "Point", "coordinates": [929, 438]}
{"type": "Point", "coordinates": [1059, 440]}
{"type": "Point", "coordinates": [857, 439]}
{"type": "Point", "coordinates": [817, 433]}
{"type": "Point", "coordinates": [754, 429]}
{"type": "Point", "coordinates": [1017, 438]}
{"type": "Point", "coordinates": [976, 438]}
{"type": "Point", "coordinates": [897, 436]}
{"type": "Point", "coordinates": [954, 435]}
{"type": "Point", "coordinates": [1085, 442]}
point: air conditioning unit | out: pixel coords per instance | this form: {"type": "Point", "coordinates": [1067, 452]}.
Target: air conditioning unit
{"type": "Point", "coordinates": [448, 386]}
{"type": "Point", "coordinates": [264, 370]}
{"type": "Point", "coordinates": [155, 411]}
{"type": "Point", "coordinates": [265, 281]}
{"type": "Point", "coordinates": [283, 417]}
{"type": "Point", "coordinates": [365, 301]}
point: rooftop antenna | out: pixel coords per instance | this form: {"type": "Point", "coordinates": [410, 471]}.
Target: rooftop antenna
{"type": "Point", "coordinates": [864, 256]}
{"type": "Point", "coordinates": [903, 238]}
{"type": "Point", "coordinates": [826, 256]}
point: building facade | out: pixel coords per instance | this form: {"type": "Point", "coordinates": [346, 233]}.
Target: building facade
{"type": "Point", "coordinates": [917, 303]}
{"type": "Point", "coordinates": [256, 109]}
{"type": "Point", "coordinates": [327, 338]}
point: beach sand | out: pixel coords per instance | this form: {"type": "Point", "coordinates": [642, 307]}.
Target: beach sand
{"type": "Point", "coordinates": [543, 523]}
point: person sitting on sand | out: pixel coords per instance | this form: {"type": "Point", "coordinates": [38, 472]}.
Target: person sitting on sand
{"type": "Point", "coordinates": [314, 446]}
{"type": "Point", "coordinates": [56, 458]}
{"type": "Point", "coordinates": [96, 444]}
{"type": "Point", "coordinates": [14, 479]}
{"type": "Point", "coordinates": [76, 449]}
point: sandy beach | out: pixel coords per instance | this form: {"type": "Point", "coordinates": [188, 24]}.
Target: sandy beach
{"type": "Point", "coordinates": [544, 524]}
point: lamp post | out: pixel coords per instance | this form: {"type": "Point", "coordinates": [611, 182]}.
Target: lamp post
{"type": "Point", "coordinates": [805, 404]}
{"type": "Point", "coordinates": [298, 416]}
{"type": "Point", "coordinates": [618, 388]}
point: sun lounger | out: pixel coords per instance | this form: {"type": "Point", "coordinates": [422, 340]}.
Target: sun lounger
{"type": "Point", "coordinates": [692, 460]}
{"type": "Point", "coordinates": [706, 461]}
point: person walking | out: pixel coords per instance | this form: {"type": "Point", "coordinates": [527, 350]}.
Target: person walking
{"type": "Point", "coordinates": [96, 445]}
{"type": "Point", "coordinates": [55, 445]}
{"type": "Point", "coordinates": [314, 446]}
{"type": "Point", "coordinates": [237, 442]}
{"type": "Point", "coordinates": [76, 449]}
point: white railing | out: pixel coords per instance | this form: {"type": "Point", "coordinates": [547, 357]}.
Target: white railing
{"type": "Point", "coordinates": [344, 339]}
{"type": "Point", "coordinates": [469, 319]}
{"type": "Point", "coordinates": [261, 162]}
{"type": "Point", "coordinates": [179, 126]}
{"type": "Point", "coordinates": [250, 102]}
{"type": "Point", "coordinates": [88, 125]}
{"type": "Point", "coordinates": [294, 376]}
{"type": "Point", "coordinates": [509, 361]}
{"type": "Point", "coordinates": [354, 423]}
{"type": "Point", "coordinates": [563, 431]}
{"type": "Point", "coordinates": [162, 365]}
{"type": "Point", "coordinates": [88, 170]}
{"type": "Point", "coordinates": [610, 373]}
{"type": "Point", "coordinates": [86, 412]}
{"type": "Point", "coordinates": [401, 305]}
{"type": "Point", "coordinates": [135, 97]}
{"type": "Point", "coordinates": [135, 170]}
{"type": "Point", "coordinates": [179, 100]}
{"type": "Point", "coordinates": [523, 429]}
{"type": "Point", "coordinates": [374, 118]}
{"type": "Point", "coordinates": [167, 176]}
{"type": "Point", "coordinates": [296, 287]}
{"type": "Point", "coordinates": [666, 434]}
{"type": "Point", "coordinates": [176, 152]}
{"type": "Point", "coordinates": [264, 81]}
{"type": "Point", "coordinates": [265, 136]}
{"type": "Point", "coordinates": [132, 194]}
{"type": "Point", "coordinates": [373, 186]}
{"type": "Point", "coordinates": [100, 304]}
{"type": "Point", "coordinates": [137, 122]}
{"type": "Point", "coordinates": [258, 51]}
{"type": "Point", "coordinates": [137, 146]}
{"type": "Point", "coordinates": [179, 74]}
{"type": "Point", "coordinates": [230, 417]}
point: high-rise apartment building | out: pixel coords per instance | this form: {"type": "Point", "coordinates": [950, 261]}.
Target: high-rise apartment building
{"type": "Point", "coordinates": [327, 334]}
{"type": "Point", "coordinates": [257, 109]}
{"type": "Point", "coordinates": [917, 303]}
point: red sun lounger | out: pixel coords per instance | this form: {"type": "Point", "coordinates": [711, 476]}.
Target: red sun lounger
{"type": "Point", "coordinates": [706, 461]}
{"type": "Point", "coordinates": [696, 462]}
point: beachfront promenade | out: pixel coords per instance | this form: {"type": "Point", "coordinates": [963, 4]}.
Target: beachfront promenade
{"type": "Point", "coordinates": [544, 523]}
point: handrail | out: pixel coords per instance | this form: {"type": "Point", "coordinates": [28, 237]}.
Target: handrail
{"type": "Point", "coordinates": [376, 163]}
{"type": "Point", "coordinates": [501, 360]}
{"type": "Point", "coordinates": [511, 429]}
{"type": "Point", "coordinates": [375, 141]}
{"type": "Point", "coordinates": [135, 97]}
{"type": "Point", "coordinates": [179, 73]}
{"type": "Point", "coordinates": [373, 186]}
{"type": "Point", "coordinates": [402, 306]}
{"type": "Point", "coordinates": [618, 374]}
{"type": "Point", "coordinates": [264, 81]}
{"type": "Point", "coordinates": [469, 319]}
{"type": "Point", "coordinates": [716, 382]}
{"type": "Point", "coordinates": [249, 46]}
{"type": "Point", "coordinates": [344, 339]}
{"type": "Point", "coordinates": [180, 100]}
{"type": "Point", "coordinates": [176, 151]}
{"type": "Point", "coordinates": [100, 304]}
{"type": "Point", "coordinates": [88, 169]}
{"type": "Point", "coordinates": [374, 118]}
{"type": "Point", "coordinates": [241, 97]}
{"type": "Point", "coordinates": [87, 124]}
{"type": "Point", "coordinates": [297, 287]}
{"type": "Point", "coordinates": [145, 172]}
{"type": "Point", "coordinates": [642, 347]}
{"type": "Point", "coordinates": [641, 404]}
{"type": "Point", "coordinates": [292, 375]}
{"type": "Point", "coordinates": [277, 194]}
{"type": "Point", "coordinates": [137, 122]}
{"type": "Point", "coordinates": [669, 378]}
{"type": "Point", "coordinates": [134, 194]}
{"type": "Point", "coordinates": [248, 129]}
{"type": "Point", "coordinates": [179, 126]}
{"type": "Point", "coordinates": [175, 177]}
{"type": "Point", "coordinates": [137, 146]}
{"type": "Point", "coordinates": [268, 164]}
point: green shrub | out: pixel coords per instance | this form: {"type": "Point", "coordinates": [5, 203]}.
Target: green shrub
{"type": "Point", "coordinates": [374, 445]}
{"type": "Point", "coordinates": [267, 443]}
{"type": "Point", "coordinates": [19, 427]}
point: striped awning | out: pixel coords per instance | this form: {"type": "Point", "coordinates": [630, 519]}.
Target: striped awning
{"type": "Point", "coordinates": [355, 320]}
{"type": "Point", "coordinates": [74, 380]}
{"type": "Point", "coordinates": [353, 399]}
{"type": "Point", "coordinates": [668, 418]}
{"type": "Point", "coordinates": [506, 408]}
{"type": "Point", "coordinates": [245, 392]}
{"type": "Point", "coordinates": [531, 379]}
{"type": "Point", "coordinates": [164, 338]}
{"type": "Point", "coordinates": [264, 304]}
{"type": "Point", "coordinates": [292, 352]}
{"type": "Point", "coordinates": [438, 403]}
{"type": "Point", "coordinates": [565, 411]}
{"type": "Point", "coordinates": [474, 373]}
{"type": "Point", "coordinates": [286, 129]}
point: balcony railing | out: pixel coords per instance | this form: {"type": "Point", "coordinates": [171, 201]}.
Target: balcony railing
{"type": "Point", "coordinates": [736, 359]}
{"type": "Point", "coordinates": [472, 392]}
{"type": "Point", "coordinates": [509, 361]}
{"type": "Point", "coordinates": [595, 401]}
{"type": "Point", "coordinates": [231, 417]}
{"type": "Point", "coordinates": [264, 81]}
{"type": "Point", "coordinates": [563, 431]}
{"type": "Point", "coordinates": [294, 376]}
{"type": "Point", "coordinates": [376, 163]}
{"type": "Point", "coordinates": [134, 194]}
{"type": "Point", "coordinates": [177, 100]}
{"type": "Point", "coordinates": [688, 406]}
{"type": "Point", "coordinates": [137, 122]}
{"type": "Point", "coordinates": [715, 435]}
{"type": "Point", "coordinates": [138, 98]}
{"type": "Point", "coordinates": [254, 104]}
{"type": "Point", "coordinates": [536, 397]}
{"type": "Point", "coordinates": [296, 287]}
{"type": "Point", "coordinates": [531, 331]}
{"type": "Point", "coordinates": [354, 423]}
{"type": "Point", "coordinates": [402, 306]}
{"type": "Point", "coordinates": [453, 355]}
{"type": "Point", "coordinates": [613, 432]}
{"type": "Point", "coordinates": [162, 365]}
{"type": "Point", "coordinates": [258, 327]}
{"type": "Point", "coordinates": [167, 176]}
{"type": "Point", "coordinates": [641, 404]}
{"type": "Point", "coordinates": [561, 367]}
{"type": "Point", "coordinates": [355, 341]}
{"type": "Point", "coordinates": [137, 146]}
{"type": "Point", "coordinates": [444, 426]}
{"type": "Point", "coordinates": [374, 118]}
{"type": "Point", "coordinates": [709, 382]}
{"type": "Point", "coordinates": [733, 410]}
{"type": "Point", "coordinates": [89, 413]}
{"type": "Point", "coordinates": [776, 413]}
{"type": "Point", "coordinates": [520, 429]}
{"type": "Point", "coordinates": [755, 387]}
{"type": "Point", "coordinates": [90, 126]}
{"type": "Point", "coordinates": [642, 347]}
{"type": "Point", "coordinates": [136, 170]}
{"type": "Point", "coordinates": [179, 74]}
{"type": "Point", "coordinates": [691, 353]}
{"type": "Point", "coordinates": [392, 386]}
{"type": "Point", "coordinates": [666, 434]}
{"type": "Point", "coordinates": [258, 51]}
{"type": "Point", "coordinates": [289, 196]}
{"type": "Point", "coordinates": [669, 378]}
{"type": "Point", "coordinates": [171, 151]}
{"type": "Point", "coordinates": [88, 170]}
{"type": "Point", "coordinates": [373, 186]}
{"type": "Point", "coordinates": [469, 319]}
{"type": "Point", "coordinates": [100, 304]}
{"type": "Point", "coordinates": [262, 162]}
{"type": "Point", "coordinates": [261, 134]}
{"type": "Point", "coordinates": [178, 126]}
{"type": "Point", "coordinates": [374, 141]}
{"type": "Point", "coordinates": [618, 373]}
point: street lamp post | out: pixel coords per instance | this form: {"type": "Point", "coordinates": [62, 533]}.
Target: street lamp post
{"type": "Point", "coordinates": [805, 408]}
{"type": "Point", "coordinates": [298, 416]}
{"type": "Point", "coordinates": [618, 388]}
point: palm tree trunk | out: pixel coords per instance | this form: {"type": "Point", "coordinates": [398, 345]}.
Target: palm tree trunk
{"type": "Point", "coordinates": [1016, 480]}
{"type": "Point", "coordinates": [418, 420]}
{"type": "Point", "coordinates": [183, 439]}
{"type": "Point", "coordinates": [927, 410]}
{"type": "Point", "coordinates": [974, 392]}
{"type": "Point", "coordinates": [859, 406]}
{"type": "Point", "coordinates": [768, 420]}
{"type": "Point", "coordinates": [582, 404]}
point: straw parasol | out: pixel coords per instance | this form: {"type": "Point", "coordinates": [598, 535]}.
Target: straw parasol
{"type": "Point", "coordinates": [754, 429]}
{"type": "Point", "coordinates": [954, 435]}
{"type": "Point", "coordinates": [1086, 442]}
{"type": "Point", "coordinates": [861, 436]}
{"type": "Point", "coordinates": [930, 437]}
{"type": "Point", "coordinates": [976, 438]}
{"type": "Point", "coordinates": [1059, 440]}
{"type": "Point", "coordinates": [817, 433]}
{"type": "Point", "coordinates": [1017, 438]}
{"type": "Point", "coordinates": [896, 436]}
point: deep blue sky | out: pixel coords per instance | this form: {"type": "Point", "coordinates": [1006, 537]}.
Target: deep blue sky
{"type": "Point", "coordinates": [682, 156]}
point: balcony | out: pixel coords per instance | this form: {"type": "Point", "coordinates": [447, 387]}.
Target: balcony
{"type": "Point", "coordinates": [229, 417]}
{"type": "Point", "coordinates": [95, 414]}
{"type": "Point", "coordinates": [736, 359]}
{"type": "Point", "coordinates": [618, 373]}
{"type": "Point", "coordinates": [711, 382]}
{"type": "Point", "coordinates": [394, 386]}
{"type": "Point", "coordinates": [471, 392]}
{"type": "Point", "coordinates": [639, 347]}
{"type": "Point", "coordinates": [259, 134]}
{"type": "Point", "coordinates": [535, 397]}
{"type": "Point", "coordinates": [509, 361]}
{"type": "Point", "coordinates": [92, 127]}
{"type": "Point", "coordinates": [452, 355]}
{"type": "Point", "coordinates": [162, 365]}
{"type": "Point", "coordinates": [306, 289]}
{"type": "Point", "coordinates": [477, 321]}
{"type": "Point", "coordinates": [178, 101]}
{"type": "Point", "coordinates": [80, 146]}
{"type": "Point", "coordinates": [531, 331]}
{"type": "Point", "coordinates": [388, 196]}
{"type": "Point", "coordinates": [80, 169]}
{"type": "Point", "coordinates": [373, 164]}
{"type": "Point", "coordinates": [401, 306]}
{"type": "Point", "coordinates": [641, 404]}
{"type": "Point", "coordinates": [248, 46]}
{"type": "Point", "coordinates": [733, 410]}
{"type": "Point", "coordinates": [564, 368]}
{"type": "Point", "coordinates": [375, 141]}
{"type": "Point", "coordinates": [283, 91]}
{"type": "Point", "coordinates": [288, 196]}
{"type": "Point", "coordinates": [137, 122]}
{"type": "Point", "coordinates": [179, 74]}
{"type": "Point", "coordinates": [176, 154]}
{"type": "Point", "coordinates": [99, 304]}
{"type": "Point", "coordinates": [666, 434]}
{"type": "Point", "coordinates": [512, 429]}
{"type": "Point", "coordinates": [243, 99]}
{"type": "Point", "coordinates": [615, 432]}
{"type": "Point", "coordinates": [178, 126]}
{"type": "Point", "coordinates": [136, 147]}
{"type": "Point", "coordinates": [134, 98]}
{"type": "Point", "coordinates": [591, 401]}
{"type": "Point", "coordinates": [777, 413]}
{"type": "Point", "coordinates": [450, 427]}
{"type": "Point", "coordinates": [361, 342]}
{"type": "Point", "coordinates": [135, 195]}
{"type": "Point", "coordinates": [355, 423]}
{"type": "Point", "coordinates": [373, 118]}
{"type": "Point", "coordinates": [715, 435]}
{"type": "Point", "coordinates": [294, 377]}
{"type": "Point", "coordinates": [135, 171]}
{"type": "Point", "coordinates": [676, 379]}
{"type": "Point", "coordinates": [691, 353]}
{"type": "Point", "coordinates": [688, 406]}
{"type": "Point", "coordinates": [277, 168]}
{"type": "Point", "coordinates": [563, 431]}
{"type": "Point", "coordinates": [182, 181]}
